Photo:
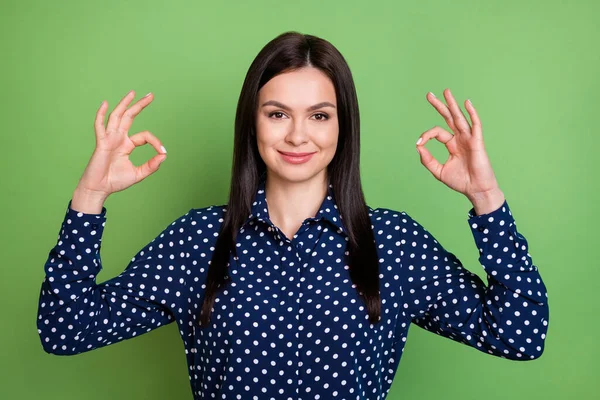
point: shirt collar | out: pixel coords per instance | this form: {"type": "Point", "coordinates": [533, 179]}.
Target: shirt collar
{"type": "Point", "coordinates": [328, 210]}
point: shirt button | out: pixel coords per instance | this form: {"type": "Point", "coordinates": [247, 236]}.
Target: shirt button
{"type": "Point", "coordinates": [95, 226]}
{"type": "Point", "coordinates": [481, 228]}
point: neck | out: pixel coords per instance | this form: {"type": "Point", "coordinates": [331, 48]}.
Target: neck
{"type": "Point", "coordinates": [290, 203]}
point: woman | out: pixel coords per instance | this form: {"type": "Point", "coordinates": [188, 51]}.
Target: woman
{"type": "Point", "coordinates": [296, 288]}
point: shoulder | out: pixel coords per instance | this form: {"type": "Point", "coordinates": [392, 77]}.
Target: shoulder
{"type": "Point", "coordinates": [399, 224]}
{"type": "Point", "coordinates": [208, 218]}
{"type": "Point", "coordinates": [197, 221]}
{"type": "Point", "coordinates": [394, 222]}
{"type": "Point", "coordinates": [388, 216]}
{"type": "Point", "coordinates": [213, 213]}
{"type": "Point", "coordinates": [198, 226]}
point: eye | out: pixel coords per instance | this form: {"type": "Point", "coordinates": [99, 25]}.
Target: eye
{"type": "Point", "coordinates": [324, 116]}
{"type": "Point", "coordinates": [275, 112]}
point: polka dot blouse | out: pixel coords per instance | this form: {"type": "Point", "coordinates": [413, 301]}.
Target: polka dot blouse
{"type": "Point", "coordinates": [290, 324]}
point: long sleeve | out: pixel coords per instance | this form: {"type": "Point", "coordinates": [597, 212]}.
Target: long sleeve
{"type": "Point", "coordinates": [508, 318]}
{"type": "Point", "coordinates": [75, 314]}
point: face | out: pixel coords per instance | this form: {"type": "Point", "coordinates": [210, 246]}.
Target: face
{"type": "Point", "coordinates": [297, 125]}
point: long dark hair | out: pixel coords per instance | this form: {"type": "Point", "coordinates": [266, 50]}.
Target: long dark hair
{"type": "Point", "coordinates": [287, 52]}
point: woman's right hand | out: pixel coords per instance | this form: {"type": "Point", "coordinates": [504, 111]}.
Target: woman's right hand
{"type": "Point", "coordinates": [110, 170]}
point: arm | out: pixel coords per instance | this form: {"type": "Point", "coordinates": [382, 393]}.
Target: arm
{"type": "Point", "coordinates": [75, 314]}
{"type": "Point", "coordinates": [508, 318]}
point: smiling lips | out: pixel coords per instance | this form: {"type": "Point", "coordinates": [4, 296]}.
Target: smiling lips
{"type": "Point", "coordinates": [295, 158]}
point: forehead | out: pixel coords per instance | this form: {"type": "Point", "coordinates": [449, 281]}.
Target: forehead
{"type": "Point", "coordinates": [301, 87]}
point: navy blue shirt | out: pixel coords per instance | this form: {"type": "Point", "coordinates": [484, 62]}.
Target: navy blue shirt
{"type": "Point", "coordinates": [290, 324]}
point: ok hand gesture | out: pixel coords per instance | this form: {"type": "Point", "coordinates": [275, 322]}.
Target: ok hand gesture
{"type": "Point", "coordinates": [468, 169]}
{"type": "Point", "coordinates": [110, 169]}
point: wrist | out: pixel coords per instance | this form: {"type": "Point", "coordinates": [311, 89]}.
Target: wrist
{"type": "Point", "coordinates": [486, 202]}
{"type": "Point", "coordinates": [88, 201]}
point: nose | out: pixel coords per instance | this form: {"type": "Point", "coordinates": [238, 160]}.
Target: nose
{"type": "Point", "coordinates": [297, 133]}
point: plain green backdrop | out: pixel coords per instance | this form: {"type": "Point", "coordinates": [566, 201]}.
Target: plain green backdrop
{"type": "Point", "coordinates": [529, 67]}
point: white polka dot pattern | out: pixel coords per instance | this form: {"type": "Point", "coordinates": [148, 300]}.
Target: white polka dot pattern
{"type": "Point", "coordinates": [290, 324]}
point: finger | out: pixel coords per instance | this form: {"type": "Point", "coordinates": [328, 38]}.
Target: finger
{"type": "Point", "coordinates": [133, 111]}
{"type": "Point", "coordinates": [440, 135]}
{"type": "Point", "coordinates": [443, 110]}
{"type": "Point", "coordinates": [459, 118]}
{"type": "Point", "coordinates": [430, 162]}
{"type": "Point", "coordinates": [115, 116]}
{"type": "Point", "coordinates": [99, 122]}
{"type": "Point", "coordinates": [149, 167]}
{"type": "Point", "coordinates": [427, 159]}
{"type": "Point", "coordinates": [144, 137]}
{"type": "Point", "coordinates": [477, 129]}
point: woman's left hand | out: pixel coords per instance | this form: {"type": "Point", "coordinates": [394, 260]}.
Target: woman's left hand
{"type": "Point", "coordinates": [468, 169]}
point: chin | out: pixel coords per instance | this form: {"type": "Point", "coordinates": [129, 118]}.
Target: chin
{"type": "Point", "coordinates": [296, 174]}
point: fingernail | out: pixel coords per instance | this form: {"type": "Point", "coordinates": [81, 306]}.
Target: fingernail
{"type": "Point", "coordinates": [148, 94]}
{"type": "Point", "coordinates": [163, 149]}
{"type": "Point", "coordinates": [419, 141]}
{"type": "Point", "coordinates": [432, 94]}
{"type": "Point", "coordinates": [469, 101]}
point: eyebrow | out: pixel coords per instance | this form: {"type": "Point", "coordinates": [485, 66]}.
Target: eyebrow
{"type": "Point", "coordinates": [311, 108]}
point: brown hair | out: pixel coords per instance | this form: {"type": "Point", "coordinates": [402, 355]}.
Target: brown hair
{"type": "Point", "coordinates": [287, 52]}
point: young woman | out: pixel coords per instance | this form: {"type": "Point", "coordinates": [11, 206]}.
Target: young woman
{"type": "Point", "coordinates": [295, 288]}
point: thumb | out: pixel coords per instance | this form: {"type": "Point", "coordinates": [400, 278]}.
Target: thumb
{"type": "Point", "coordinates": [430, 162]}
{"type": "Point", "coordinates": [149, 167]}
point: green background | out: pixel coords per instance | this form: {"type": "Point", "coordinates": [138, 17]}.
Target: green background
{"type": "Point", "coordinates": [529, 67]}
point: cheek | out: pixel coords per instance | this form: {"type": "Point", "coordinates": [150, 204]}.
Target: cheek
{"type": "Point", "coordinates": [266, 134]}
{"type": "Point", "coordinates": [328, 139]}
{"type": "Point", "coordinates": [263, 138]}
{"type": "Point", "coordinates": [266, 141]}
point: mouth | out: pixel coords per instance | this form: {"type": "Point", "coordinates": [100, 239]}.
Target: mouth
{"type": "Point", "coordinates": [287, 153]}
{"type": "Point", "coordinates": [295, 158]}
